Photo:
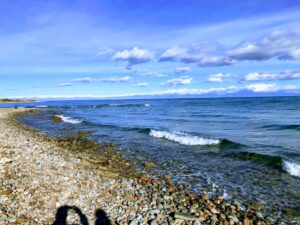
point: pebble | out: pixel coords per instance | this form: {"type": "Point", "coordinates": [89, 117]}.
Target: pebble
{"type": "Point", "coordinates": [197, 222]}
{"type": "Point", "coordinates": [184, 216]}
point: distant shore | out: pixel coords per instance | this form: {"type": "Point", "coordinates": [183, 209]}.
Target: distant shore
{"type": "Point", "coordinates": [6, 100]}
{"type": "Point", "coordinates": [39, 174]}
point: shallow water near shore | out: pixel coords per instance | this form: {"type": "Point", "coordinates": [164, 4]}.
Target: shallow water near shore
{"type": "Point", "coordinates": [241, 148]}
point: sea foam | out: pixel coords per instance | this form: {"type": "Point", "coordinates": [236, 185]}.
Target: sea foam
{"type": "Point", "coordinates": [183, 138]}
{"type": "Point", "coordinates": [67, 119]}
{"type": "Point", "coordinates": [292, 168]}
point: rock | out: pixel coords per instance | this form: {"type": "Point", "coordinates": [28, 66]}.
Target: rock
{"type": "Point", "coordinates": [259, 215]}
{"type": "Point", "coordinates": [131, 216]}
{"type": "Point", "coordinates": [134, 222]}
{"type": "Point", "coordinates": [184, 216]}
{"type": "Point", "coordinates": [6, 192]}
{"type": "Point", "coordinates": [246, 221]}
{"type": "Point", "coordinates": [148, 166]}
{"type": "Point", "coordinates": [168, 180]}
{"type": "Point", "coordinates": [195, 206]}
{"type": "Point", "coordinates": [237, 204]}
{"type": "Point", "coordinates": [153, 222]}
{"type": "Point", "coordinates": [292, 213]}
{"type": "Point", "coordinates": [197, 222]}
{"type": "Point", "coordinates": [223, 216]}
{"type": "Point", "coordinates": [204, 197]}
{"type": "Point", "coordinates": [21, 220]}
{"type": "Point", "coordinates": [12, 219]}
{"type": "Point", "coordinates": [5, 160]}
{"type": "Point", "coordinates": [234, 219]}
{"type": "Point", "coordinates": [214, 211]}
{"type": "Point", "coordinates": [214, 220]}
{"type": "Point", "coordinates": [109, 174]}
{"type": "Point", "coordinates": [56, 119]}
{"type": "Point", "coordinates": [144, 179]}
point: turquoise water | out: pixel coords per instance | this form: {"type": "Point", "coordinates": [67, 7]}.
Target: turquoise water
{"type": "Point", "coordinates": [245, 148]}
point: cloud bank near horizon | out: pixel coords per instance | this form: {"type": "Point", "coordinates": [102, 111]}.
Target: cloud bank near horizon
{"type": "Point", "coordinates": [232, 91]}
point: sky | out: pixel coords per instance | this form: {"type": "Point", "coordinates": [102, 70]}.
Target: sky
{"type": "Point", "coordinates": [60, 49]}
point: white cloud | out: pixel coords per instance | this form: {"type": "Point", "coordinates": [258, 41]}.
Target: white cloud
{"type": "Point", "coordinates": [261, 87]}
{"type": "Point", "coordinates": [134, 56]}
{"type": "Point", "coordinates": [282, 45]}
{"type": "Point", "coordinates": [104, 51]}
{"type": "Point", "coordinates": [192, 54]}
{"type": "Point", "coordinates": [182, 69]}
{"type": "Point", "coordinates": [293, 88]}
{"type": "Point", "coordinates": [173, 54]}
{"type": "Point", "coordinates": [294, 54]}
{"type": "Point", "coordinates": [278, 44]}
{"type": "Point", "coordinates": [218, 77]}
{"type": "Point", "coordinates": [189, 91]}
{"type": "Point", "coordinates": [215, 61]}
{"type": "Point", "coordinates": [104, 79]}
{"type": "Point", "coordinates": [215, 79]}
{"type": "Point", "coordinates": [115, 79]}
{"type": "Point", "coordinates": [153, 74]}
{"type": "Point", "coordinates": [84, 80]}
{"type": "Point", "coordinates": [287, 75]}
{"type": "Point", "coordinates": [144, 84]}
{"type": "Point", "coordinates": [147, 73]}
{"type": "Point", "coordinates": [199, 53]}
{"type": "Point", "coordinates": [178, 81]}
{"type": "Point", "coordinates": [64, 84]}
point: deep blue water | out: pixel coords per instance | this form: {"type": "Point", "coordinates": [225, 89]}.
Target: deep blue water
{"type": "Point", "coordinates": [201, 142]}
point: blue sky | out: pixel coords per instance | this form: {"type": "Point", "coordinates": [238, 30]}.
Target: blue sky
{"type": "Point", "coordinates": [95, 49]}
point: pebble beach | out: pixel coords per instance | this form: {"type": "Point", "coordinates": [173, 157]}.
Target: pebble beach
{"type": "Point", "coordinates": [39, 175]}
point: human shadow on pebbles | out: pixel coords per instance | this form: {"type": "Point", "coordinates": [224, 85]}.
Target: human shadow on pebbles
{"type": "Point", "coordinates": [62, 214]}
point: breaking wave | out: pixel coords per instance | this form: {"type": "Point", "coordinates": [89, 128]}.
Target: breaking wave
{"type": "Point", "coordinates": [292, 168]}
{"type": "Point", "coordinates": [184, 138]}
{"type": "Point", "coordinates": [277, 162]}
{"type": "Point", "coordinates": [68, 119]}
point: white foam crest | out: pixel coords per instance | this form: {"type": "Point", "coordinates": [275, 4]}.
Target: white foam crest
{"type": "Point", "coordinates": [41, 106]}
{"type": "Point", "coordinates": [292, 168]}
{"type": "Point", "coordinates": [147, 105]}
{"type": "Point", "coordinates": [183, 138]}
{"type": "Point", "coordinates": [68, 119]}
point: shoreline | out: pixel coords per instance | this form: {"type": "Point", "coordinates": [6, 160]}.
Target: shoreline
{"type": "Point", "coordinates": [40, 174]}
{"type": "Point", "coordinates": [6, 101]}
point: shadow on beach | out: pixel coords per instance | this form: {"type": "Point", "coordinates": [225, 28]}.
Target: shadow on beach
{"type": "Point", "coordinates": [62, 214]}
